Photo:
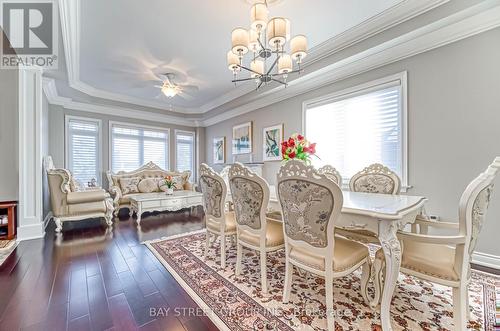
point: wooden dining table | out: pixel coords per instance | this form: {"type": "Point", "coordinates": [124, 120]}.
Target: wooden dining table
{"type": "Point", "coordinates": [383, 215]}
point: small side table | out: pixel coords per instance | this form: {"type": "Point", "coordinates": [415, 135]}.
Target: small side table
{"type": "Point", "coordinates": [11, 216]}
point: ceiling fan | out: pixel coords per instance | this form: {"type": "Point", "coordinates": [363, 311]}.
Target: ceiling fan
{"type": "Point", "coordinates": [170, 88]}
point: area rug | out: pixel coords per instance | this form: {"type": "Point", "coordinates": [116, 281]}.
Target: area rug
{"type": "Point", "coordinates": [236, 303]}
{"type": "Point", "coordinates": [6, 247]}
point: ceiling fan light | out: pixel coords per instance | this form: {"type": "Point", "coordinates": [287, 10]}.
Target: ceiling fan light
{"type": "Point", "coordinates": [298, 47]}
{"type": "Point", "coordinates": [232, 61]}
{"type": "Point", "coordinates": [239, 41]}
{"type": "Point", "coordinates": [170, 91]}
{"type": "Point", "coordinates": [285, 64]}
{"type": "Point", "coordinates": [278, 32]}
{"type": "Point", "coordinates": [258, 16]}
{"type": "Point", "coordinates": [257, 66]}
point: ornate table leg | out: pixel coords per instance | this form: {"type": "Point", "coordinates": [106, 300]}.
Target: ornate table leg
{"type": "Point", "coordinates": [392, 252]}
{"type": "Point", "coordinates": [138, 213]}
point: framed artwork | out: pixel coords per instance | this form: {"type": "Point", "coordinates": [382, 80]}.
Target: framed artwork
{"type": "Point", "coordinates": [219, 150]}
{"type": "Point", "coordinates": [242, 138]}
{"type": "Point", "coordinates": [272, 138]}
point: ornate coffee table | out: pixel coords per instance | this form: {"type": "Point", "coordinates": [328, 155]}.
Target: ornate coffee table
{"type": "Point", "coordinates": [160, 201]}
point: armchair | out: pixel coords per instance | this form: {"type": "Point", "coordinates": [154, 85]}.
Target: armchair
{"type": "Point", "coordinates": [446, 259]}
{"type": "Point", "coordinates": [68, 205]}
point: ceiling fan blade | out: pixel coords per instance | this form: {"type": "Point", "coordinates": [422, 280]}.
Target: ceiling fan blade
{"type": "Point", "coordinates": [189, 88]}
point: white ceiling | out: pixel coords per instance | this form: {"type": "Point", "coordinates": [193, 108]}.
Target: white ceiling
{"type": "Point", "coordinates": [123, 42]}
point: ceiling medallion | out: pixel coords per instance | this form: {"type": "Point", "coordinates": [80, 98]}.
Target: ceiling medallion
{"type": "Point", "coordinates": [266, 40]}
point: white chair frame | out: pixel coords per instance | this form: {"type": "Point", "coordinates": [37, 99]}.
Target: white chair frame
{"type": "Point", "coordinates": [238, 170]}
{"type": "Point", "coordinates": [471, 218]}
{"type": "Point", "coordinates": [207, 171]}
{"type": "Point", "coordinates": [300, 171]}
{"type": "Point", "coordinates": [328, 170]}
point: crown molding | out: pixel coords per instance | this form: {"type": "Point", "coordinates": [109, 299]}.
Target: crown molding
{"type": "Point", "coordinates": [50, 89]}
{"type": "Point", "coordinates": [70, 23]}
{"type": "Point", "coordinates": [471, 21]}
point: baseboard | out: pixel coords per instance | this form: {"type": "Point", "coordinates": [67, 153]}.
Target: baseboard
{"type": "Point", "coordinates": [28, 232]}
{"type": "Point", "coordinates": [47, 219]}
{"type": "Point", "coordinates": [486, 260]}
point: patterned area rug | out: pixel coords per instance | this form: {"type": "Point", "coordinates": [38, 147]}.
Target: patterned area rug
{"type": "Point", "coordinates": [6, 247]}
{"type": "Point", "coordinates": [235, 303]}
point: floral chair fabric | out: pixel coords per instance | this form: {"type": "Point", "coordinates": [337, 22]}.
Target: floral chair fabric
{"type": "Point", "coordinates": [247, 200]}
{"type": "Point", "coordinates": [306, 211]}
{"type": "Point", "coordinates": [212, 195]}
{"type": "Point", "coordinates": [376, 178]}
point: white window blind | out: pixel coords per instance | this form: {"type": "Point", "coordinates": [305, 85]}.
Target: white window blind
{"type": "Point", "coordinates": [359, 129]}
{"type": "Point", "coordinates": [184, 146]}
{"type": "Point", "coordinates": [132, 147]}
{"type": "Point", "coordinates": [83, 149]}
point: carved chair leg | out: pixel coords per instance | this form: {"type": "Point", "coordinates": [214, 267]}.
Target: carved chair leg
{"type": "Point", "coordinates": [329, 302]}
{"type": "Point", "coordinates": [459, 305]}
{"type": "Point", "coordinates": [365, 278]}
{"type": "Point", "coordinates": [239, 254]}
{"type": "Point", "coordinates": [263, 271]}
{"type": "Point", "coordinates": [223, 251]}
{"type": "Point", "coordinates": [377, 272]}
{"type": "Point", "coordinates": [58, 224]}
{"type": "Point", "coordinates": [207, 244]}
{"type": "Point", "coordinates": [287, 288]}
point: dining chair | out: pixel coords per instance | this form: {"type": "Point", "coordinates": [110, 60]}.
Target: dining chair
{"type": "Point", "coordinates": [311, 204]}
{"type": "Point", "coordinates": [332, 173]}
{"type": "Point", "coordinates": [250, 195]}
{"type": "Point", "coordinates": [219, 222]}
{"type": "Point", "coordinates": [376, 178]}
{"type": "Point", "coordinates": [445, 259]}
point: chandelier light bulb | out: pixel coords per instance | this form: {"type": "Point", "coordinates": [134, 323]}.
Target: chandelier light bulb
{"type": "Point", "coordinates": [239, 41]}
{"type": "Point", "coordinates": [257, 66]}
{"type": "Point", "coordinates": [233, 61]}
{"type": "Point", "coordinates": [298, 48]}
{"type": "Point", "coordinates": [253, 43]}
{"type": "Point", "coordinates": [285, 64]}
{"type": "Point", "coordinates": [258, 16]}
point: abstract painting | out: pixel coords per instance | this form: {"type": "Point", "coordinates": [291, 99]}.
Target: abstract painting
{"type": "Point", "coordinates": [219, 150]}
{"type": "Point", "coordinates": [242, 138]}
{"type": "Point", "coordinates": [272, 138]}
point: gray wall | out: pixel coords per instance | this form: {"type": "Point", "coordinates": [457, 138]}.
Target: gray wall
{"type": "Point", "coordinates": [57, 128]}
{"type": "Point", "coordinates": [9, 179]}
{"type": "Point", "coordinates": [453, 124]}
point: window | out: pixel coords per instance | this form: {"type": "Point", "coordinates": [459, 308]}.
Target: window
{"type": "Point", "coordinates": [184, 147]}
{"type": "Point", "coordinates": [83, 148]}
{"type": "Point", "coordinates": [361, 126]}
{"type": "Point", "coordinates": [132, 147]}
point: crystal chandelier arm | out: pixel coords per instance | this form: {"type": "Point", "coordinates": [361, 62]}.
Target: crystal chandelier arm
{"type": "Point", "coordinates": [248, 69]}
{"type": "Point", "coordinates": [258, 87]}
{"type": "Point", "coordinates": [242, 80]}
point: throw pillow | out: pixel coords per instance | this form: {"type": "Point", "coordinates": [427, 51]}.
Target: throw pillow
{"type": "Point", "coordinates": [75, 185]}
{"type": "Point", "coordinates": [162, 184]}
{"type": "Point", "coordinates": [178, 183]}
{"type": "Point", "coordinates": [129, 185]}
{"type": "Point", "coordinates": [148, 185]}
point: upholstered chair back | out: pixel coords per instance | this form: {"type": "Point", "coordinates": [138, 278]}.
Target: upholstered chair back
{"type": "Point", "coordinates": [250, 195]}
{"type": "Point", "coordinates": [59, 186]}
{"type": "Point", "coordinates": [214, 192]}
{"type": "Point", "coordinates": [332, 173]}
{"type": "Point", "coordinates": [376, 178]}
{"type": "Point", "coordinates": [472, 212]}
{"type": "Point", "coordinates": [311, 202]}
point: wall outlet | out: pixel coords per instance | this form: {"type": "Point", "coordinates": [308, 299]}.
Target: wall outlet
{"type": "Point", "coordinates": [434, 218]}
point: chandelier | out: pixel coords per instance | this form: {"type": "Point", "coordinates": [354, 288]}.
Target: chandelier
{"type": "Point", "coordinates": [266, 41]}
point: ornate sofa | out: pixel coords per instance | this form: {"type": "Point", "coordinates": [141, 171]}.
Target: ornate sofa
{"type": "Point", "coordinates": [123, 185]}
{"type": "Point", "coordinates": [73, 203]}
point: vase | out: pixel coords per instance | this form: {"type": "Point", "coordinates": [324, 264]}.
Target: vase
{"type": "Point", "coordinates": [170, 191]}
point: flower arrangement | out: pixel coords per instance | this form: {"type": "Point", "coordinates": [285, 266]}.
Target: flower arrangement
{"type": "Point", "coordinates": [168, 182]}
{"type": "Point", "coordinates": [298, 147]}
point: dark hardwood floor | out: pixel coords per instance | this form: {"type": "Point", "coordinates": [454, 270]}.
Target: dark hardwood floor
{"type": "Point", "coordinates": [93, 279]}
